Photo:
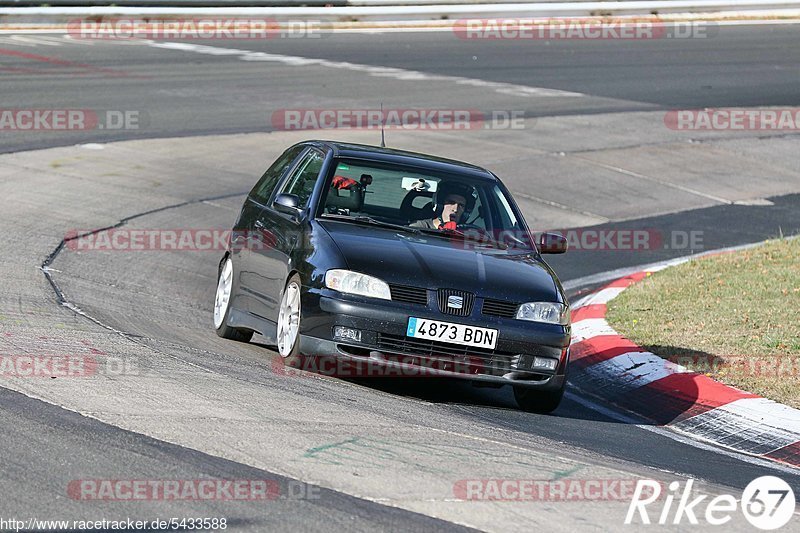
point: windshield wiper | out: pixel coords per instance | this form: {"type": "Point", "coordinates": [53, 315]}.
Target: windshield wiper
{"type": "Point", "coordinates": [448, 234]}
{"type": "Point", "coordinates": [518, 243]}
{"type": "Point", "coordinates": [363, 219]}
{"type": "Point", "coordinates": [445, 234]}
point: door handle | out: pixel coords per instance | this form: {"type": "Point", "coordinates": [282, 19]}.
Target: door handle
{"type": "Point", "coordinates": [259, 225]}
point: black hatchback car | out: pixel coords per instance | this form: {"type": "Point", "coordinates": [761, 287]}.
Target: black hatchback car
{"type": "Point", "coordinates": [399, 261]}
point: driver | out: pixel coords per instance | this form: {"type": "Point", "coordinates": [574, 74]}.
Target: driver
{"type": "Point", "coordinates": [451, 209]}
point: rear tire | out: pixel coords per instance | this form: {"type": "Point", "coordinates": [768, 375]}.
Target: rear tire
{"type": "Point", "coordinates": [222, 307]}
{"type": "Point", "coordinates": [288, 333]}
{"type": "Point", "coordinates": [539, 401]}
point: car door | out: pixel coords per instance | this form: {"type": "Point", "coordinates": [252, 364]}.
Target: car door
{"type": "Point", "coordinates": [272, 262]}
{"type": "Point", "coordinates": [246, 237]}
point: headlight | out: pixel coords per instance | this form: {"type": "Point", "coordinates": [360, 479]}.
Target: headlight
{"type": "Point", "coordinates": [356, 283]}
{"type": "Point", "coordinates": [549, 312]}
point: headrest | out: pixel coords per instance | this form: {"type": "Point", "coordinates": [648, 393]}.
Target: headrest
{"type": "Point", "coordinates": [412, 213]}
{"type": "Point", "coordinates": [352, 198]}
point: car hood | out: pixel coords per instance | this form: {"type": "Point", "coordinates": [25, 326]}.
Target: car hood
{"type": "Point", "coordinates": [432, 262]}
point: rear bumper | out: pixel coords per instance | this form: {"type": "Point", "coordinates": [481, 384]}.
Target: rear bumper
{"type": "Point", "coordinates": [385, 351]}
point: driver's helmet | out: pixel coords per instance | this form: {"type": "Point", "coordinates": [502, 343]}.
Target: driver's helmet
{"type": "Point", "coordinates": [446, 188]}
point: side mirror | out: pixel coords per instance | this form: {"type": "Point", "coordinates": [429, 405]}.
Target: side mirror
{"type": "Point", "coordinates": [288, 203]}
{"type": "Point", "coordinates": [552, 243]}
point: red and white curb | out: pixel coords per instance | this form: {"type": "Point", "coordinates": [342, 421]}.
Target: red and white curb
{"type": "Point", "coordinates": [609, 366]}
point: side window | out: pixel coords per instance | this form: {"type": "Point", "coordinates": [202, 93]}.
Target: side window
{"type": "Point", "coordinates": [263, 189]}
{"type": "Point", "coordinates": [507, 218]}
{"type": "Point", "coordinates": [302, 181]}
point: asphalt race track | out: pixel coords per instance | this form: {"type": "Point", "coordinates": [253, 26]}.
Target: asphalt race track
{"type": "Point", "coordinates": [171, 400]}
{"type": "Point", "coordinates": [185, 95]}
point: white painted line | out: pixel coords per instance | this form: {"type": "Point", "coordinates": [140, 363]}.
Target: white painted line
{"type": "Point", "coordinates": [666, 264]}
{"type": "Point", "coordinates": [651, 179]}
{"type": "Point", "coordinates": [72, 40]}
{"type": "Point", "coordinates": [15, 42]}
{"type": "Point", "coordinates": [220, 206]}
{"type": "Point", "coordinates": [35, 40]}
{"type": "Point", "coordinates": [755, 202]}
{"type": "Point", "coordinates": [600, 218]}
{"type": "Point", "coordinates": [378, 71]}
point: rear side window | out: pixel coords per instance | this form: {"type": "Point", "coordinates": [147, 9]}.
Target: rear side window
{"type": "Point", "coordinates": [302, 181]}
{"type": "Point", "coordinates": [262, 192]}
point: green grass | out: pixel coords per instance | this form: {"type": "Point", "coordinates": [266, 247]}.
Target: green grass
{"type": "Point", "coordinates": [734, 317]}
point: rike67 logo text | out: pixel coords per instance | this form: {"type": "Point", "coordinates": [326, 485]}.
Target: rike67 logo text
{"type": "Point", "coordinates": [767, 503]}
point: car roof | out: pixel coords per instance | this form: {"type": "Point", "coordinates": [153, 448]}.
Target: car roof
{"type": "Point", "coordinates": [403, 157]}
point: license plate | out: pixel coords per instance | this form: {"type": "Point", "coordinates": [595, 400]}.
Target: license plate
{"type": "Point", "coordinates": [422, 328]}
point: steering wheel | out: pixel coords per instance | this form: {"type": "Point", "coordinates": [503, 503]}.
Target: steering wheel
{"type": "Point", "coordinates": [474, 232]}
{"type": "Point", "coordinates": [471, 227]}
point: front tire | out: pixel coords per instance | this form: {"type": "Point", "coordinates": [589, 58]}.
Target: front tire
{"type": "Point", "coordinates": [222, 307]}
{"type": "Point", "coordinates": [289, 324]}
{"type": "Point", "coordinates": [539, 401]}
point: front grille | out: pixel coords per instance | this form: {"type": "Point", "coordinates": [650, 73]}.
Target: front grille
{"type": "Point", "coordinates": [434, 349]}
{"type": "Point", "coordinates": [451, 299]}
{"type": "Point", "coordinates": [477, 360]}
{"type": "Point", "coordinates": [499, 308]}
{"type": "Point", "coordinates": [411, 295]}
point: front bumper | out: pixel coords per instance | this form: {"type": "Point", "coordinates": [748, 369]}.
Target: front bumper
{"type": "Point", "coordinates": [384, 349]}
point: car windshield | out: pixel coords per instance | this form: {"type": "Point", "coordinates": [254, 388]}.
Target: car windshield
{"type": "Point", "coordinates": [365, 192]}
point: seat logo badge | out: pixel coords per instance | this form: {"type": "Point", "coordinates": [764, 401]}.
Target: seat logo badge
{"type": "Point", "coordinates": [455, 302]}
